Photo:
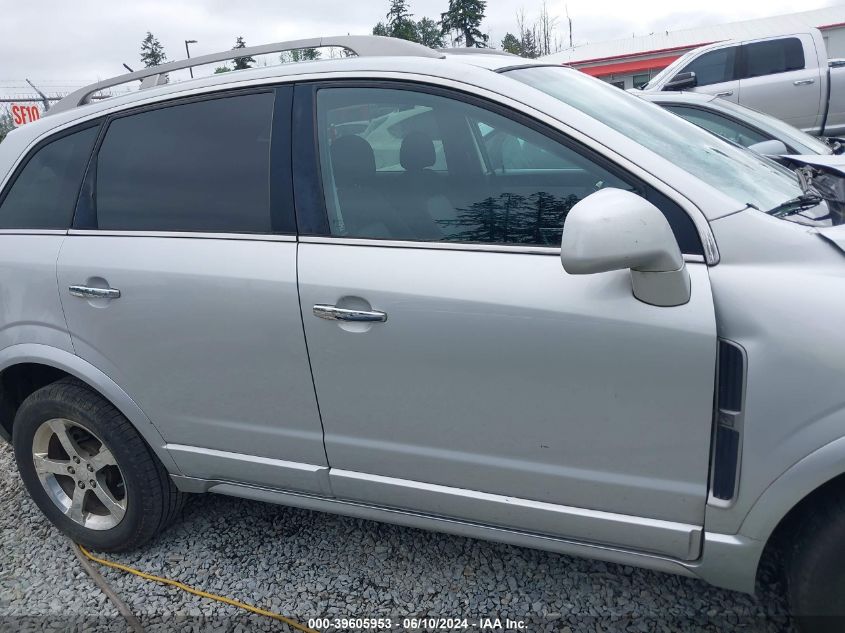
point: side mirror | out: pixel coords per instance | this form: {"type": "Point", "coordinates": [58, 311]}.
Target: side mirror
{"type": "Point", "coordinates": [772, 147]}
{"type": "Point", "coordinates": [681, 81]}
{"type": "Point", "coordinates": [613, 229]}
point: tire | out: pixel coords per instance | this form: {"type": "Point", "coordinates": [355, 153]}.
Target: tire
{"type": "Point", "coordinates": [815, 568]}
{"type": "Point", "coordinates": [97, 480]}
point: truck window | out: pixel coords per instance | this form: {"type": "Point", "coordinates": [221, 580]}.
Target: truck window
{"type": "Point", "coordinates": [773, 56]}
{"type": "Point", "coordinates": [713, 67]}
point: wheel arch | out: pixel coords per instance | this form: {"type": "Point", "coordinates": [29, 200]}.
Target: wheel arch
{"type": "Point", "coordinates": [57, 363]}
{"type": "Point", "coordinates": [805, 482]}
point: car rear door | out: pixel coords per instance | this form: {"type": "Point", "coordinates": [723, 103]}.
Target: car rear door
{"type": "Point", "coordinates": [179, 282]}
{"type": "Point", "coordinates": [460, 371]}
{"type": "Point", "coordinates": [779, 78]}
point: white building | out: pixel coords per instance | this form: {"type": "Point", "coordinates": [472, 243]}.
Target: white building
{"type": "Point", "coordinates": [631, 62]}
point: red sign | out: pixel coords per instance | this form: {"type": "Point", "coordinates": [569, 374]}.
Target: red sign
{"type": "Point", "coordinates": [25, 113]}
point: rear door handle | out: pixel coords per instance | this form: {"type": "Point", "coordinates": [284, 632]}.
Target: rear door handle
{"type": "Point", "coordinates": [333, 313]}
{"type": "Point", "coordinates": [803, 82]}
{"type": "Point", "coordinates": [86, 292]}
{"type": "Point", "coordinates": [727, 93]}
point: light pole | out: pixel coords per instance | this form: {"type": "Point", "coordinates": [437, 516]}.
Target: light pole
{"type": "Point", "coordinates": [188, 51]}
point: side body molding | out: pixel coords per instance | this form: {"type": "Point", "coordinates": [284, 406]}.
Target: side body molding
{"type": "Point", "coordinates": [74, 365]}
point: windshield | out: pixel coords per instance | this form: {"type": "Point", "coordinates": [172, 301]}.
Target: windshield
{"type": "Point", "coordinates": [745, 176]}
{"type": "Point", "coordinates": [670, 69]}
{"type": "Point", "coordinates": [810, 143]}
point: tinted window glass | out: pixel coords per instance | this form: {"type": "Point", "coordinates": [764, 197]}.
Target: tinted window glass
{"type": "Point", "coordinates": [721, 125]}
{"type": "Point", "coordinates": [497, 181]}
{"type": "Point", "coordinates": [713, 67]}
{"type": "Point", "coordinates": [773, 56]}
{"type": "Point", "coordinates": [201, 166]}
{"type": "Point", "coordinates": [44, 194]}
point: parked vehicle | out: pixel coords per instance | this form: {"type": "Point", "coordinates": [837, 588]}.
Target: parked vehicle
{"type": "Point", "coordinates": [813, 160]}
{"type": "Point", "coordinates": [786, 75]}
{"type": "Point", "coordinates": [739, 124]}
{"type": "Point", "coordinates": [213, 286]}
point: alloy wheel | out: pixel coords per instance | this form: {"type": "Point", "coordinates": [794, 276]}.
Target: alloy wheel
{"type": "Point", "coordinates": [79, 474]}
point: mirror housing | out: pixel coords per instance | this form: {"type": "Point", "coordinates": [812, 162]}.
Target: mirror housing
{"type": "Point", "coordinates": [771, 147]}
{"type": "Point", "coordinates": [613, 229]}
{"type": "Point", "coordinates": [681, 81]}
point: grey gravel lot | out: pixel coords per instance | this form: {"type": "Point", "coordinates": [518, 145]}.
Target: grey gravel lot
{"type": "Point", "coordinates": [307, 564]}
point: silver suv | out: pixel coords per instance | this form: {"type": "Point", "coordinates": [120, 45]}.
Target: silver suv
{"type": "Point", "coordinates": [337, 285]}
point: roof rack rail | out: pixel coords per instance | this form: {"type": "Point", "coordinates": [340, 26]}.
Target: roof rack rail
{"type": "Point", "coordinates": [361, 45]}
{"type": "Point", "coordinates": [465, 50]}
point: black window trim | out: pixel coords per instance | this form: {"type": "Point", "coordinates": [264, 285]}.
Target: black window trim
{"type": "Point", "coordinates": [282, 217]}
{"type": "Point", "coordinates": [22, 164]}
{"type": "Point", "coordinates": [310, 203]}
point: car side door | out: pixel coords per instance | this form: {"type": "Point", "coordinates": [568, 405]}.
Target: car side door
{"type": "Point", "coordinates": [716, 72]}
{"type": "Point", "coordinates": [178, 281]}
{"type": "Point", "coordinates": [778, 78]}
{"type": "Point", "coordinates": [459, 370]}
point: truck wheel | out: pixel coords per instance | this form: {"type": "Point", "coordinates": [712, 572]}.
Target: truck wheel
{"type": "Point", "coordinates": [88, 469]}
{"type": "Point", "coordinates": [815, 566]}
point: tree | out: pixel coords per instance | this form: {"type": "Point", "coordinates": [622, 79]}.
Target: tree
{"type": "Point", "coordinates": [381, 29]}
{"type": "Point", "coordinates": [399, 21]}
{"type": "Point", "coordinates": [429, 33]}
{"type": "Point", "coordinates": [527, 37]}
{"type": "Point", "coordinates": [6, 125]}
{"type": "Point", "coordinates": [464, 18]}
{"type": "Point", "coordinates": [511, 44]}
{"type": "Point", "coordinates": [152, 52]}
{"type": "Point", "coordinates": [300, 55]}
{"type": "Point", "coordinates": [222, 69]}
{"type": "Point", "coordinates": [242, 63]}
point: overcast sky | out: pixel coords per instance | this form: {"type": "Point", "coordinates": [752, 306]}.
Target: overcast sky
{"type": "Point", "coordinates": [72, 42]}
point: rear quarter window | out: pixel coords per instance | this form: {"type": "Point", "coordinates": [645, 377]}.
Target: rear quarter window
{"type": "Point", "coordinates": [42, 194]}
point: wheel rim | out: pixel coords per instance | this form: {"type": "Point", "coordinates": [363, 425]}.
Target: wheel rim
{"type": "Point", "coordinates": [79, 474]}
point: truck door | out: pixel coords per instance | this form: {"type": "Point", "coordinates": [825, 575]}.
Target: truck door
{"type": "Point", "coordinates": [781, 76]}
{"type": "Point", "coordinates": [715, 72]}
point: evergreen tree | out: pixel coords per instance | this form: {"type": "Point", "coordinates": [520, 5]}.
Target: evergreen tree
{"type": "Point", "coordinates": [528, 44]}
{"type": "Point", "coordinates": [399, 21]}
{"type": "Point", "coordinates": [6, 125]}
{"type": "Point", "coordinates": [511, 44]}
{"type": "Point", "coordinates": [464, 17]}
{"type": "Point", "coordinates": [301, 55]}
{"type": "Point", "coordinates": [222, 69]}
{"type": "Point", "coordinates": [242, 63]}
{"type": "Point", "coordinates": [381, 29]}
{"type": "Point", "coordinates": [152, 52]}
{"type": "Point", "coordinates": [429, 33]}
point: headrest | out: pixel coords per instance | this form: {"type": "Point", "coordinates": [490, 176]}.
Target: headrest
{"type": "Point", "coordinates": [352, 160]}
{"type": "Point", "coordinates": [417, 151]}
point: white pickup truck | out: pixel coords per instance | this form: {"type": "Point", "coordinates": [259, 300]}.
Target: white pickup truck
{"type": "Point", "coordinates": [787, 75]}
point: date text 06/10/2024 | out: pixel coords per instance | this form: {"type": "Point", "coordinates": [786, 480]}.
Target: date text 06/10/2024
{"type": "Point", "coordinates": [418, 623]}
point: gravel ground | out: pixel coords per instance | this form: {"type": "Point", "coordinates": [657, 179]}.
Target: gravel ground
{"type": "Point", "coordinates": [307, 564]}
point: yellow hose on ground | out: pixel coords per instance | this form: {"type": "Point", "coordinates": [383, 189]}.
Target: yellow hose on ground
{"type": "Point", "coordinates": [197, 592]}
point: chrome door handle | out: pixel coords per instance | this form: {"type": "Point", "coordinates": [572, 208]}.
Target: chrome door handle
{"type": "Point", "coordinates": [87, 292]}
{"type": "Point", "coordinates": [333, 313]}
{"type": "Point", "coordinates": [803, 82]}
{"type": "Point", "coordinates": [727, 93]}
